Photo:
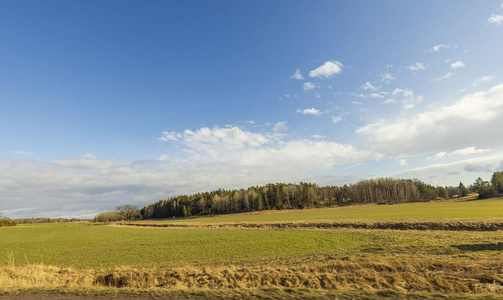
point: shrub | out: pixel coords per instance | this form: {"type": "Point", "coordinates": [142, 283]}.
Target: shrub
{"type": "Point", "coordinates": [487, 192]}
{"type": "Point", "coordinates": [108, 216]}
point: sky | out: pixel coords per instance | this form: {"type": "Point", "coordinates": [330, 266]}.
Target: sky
{"type": "Point", "coordinates": [112, 102]}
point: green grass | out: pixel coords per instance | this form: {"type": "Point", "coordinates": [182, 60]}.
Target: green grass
{"type": "Point", "coordinates": [95, 247]}
{"type": "Point", "coordinates": [105, 246]}
{"type": "Point", "coordinates": [476, 209]}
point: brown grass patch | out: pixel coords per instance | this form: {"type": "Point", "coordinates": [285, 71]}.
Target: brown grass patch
{"type": "Point", "coordinates": [460, 275]}
{"type": "Point", "coordinates": [454, 225]}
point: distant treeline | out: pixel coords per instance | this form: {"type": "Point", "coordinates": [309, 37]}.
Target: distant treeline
{"type": "Point", "coordinates": [45, 220]}
{"type": "Point", "coordinates": [297, 196]}
{"type": "Point", "coordinates": [4, 223]}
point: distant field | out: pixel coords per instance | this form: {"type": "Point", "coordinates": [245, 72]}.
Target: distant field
{"type": "Point", "coordinates": [472, 209]}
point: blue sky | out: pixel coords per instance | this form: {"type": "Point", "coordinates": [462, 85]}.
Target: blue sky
{"type": "Point", "coordinates": [107, 102]}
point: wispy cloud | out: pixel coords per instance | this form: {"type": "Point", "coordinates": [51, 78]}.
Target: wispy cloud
{"type": "Point", "coordinates": [376, 95]}
{"type": "Point", "coordinates": [457, 65]}
{"type": "Point", "coordinates": [417, 66]}
{"type": "Point", "coordinates": [336, 119]}
{"type": "Point", "coordinates": [439, 47]}
{"type": "Point", "coordinates": [297, 75]}
{"type": "Point", "coordinates": [309, 86]}
{"type": "Point", "coordinates": [482, 80]}
{"type": "Point", "coordinates": [369, 86]}
{"type": "Point", "coordinates": [406, 96]}
{"type": "Point", "coordinates": [460, 152]}
{"type": "Point", "coordinates": [443, 77]}
{"type": "Point", "coordinates": [386, 77]}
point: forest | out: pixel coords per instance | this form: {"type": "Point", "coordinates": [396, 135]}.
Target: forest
{"type": "Point", "coordinates": [308, 195]}
{"type": "Point", "coordinates": [295, 196]}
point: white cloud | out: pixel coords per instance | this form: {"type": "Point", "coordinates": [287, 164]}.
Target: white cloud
{"type": "Point", "coordinates": [406, 96]}
{"type": "Point", "coordinates": [368, 86]}
{"type": "Point", "coordinates": [439, 155]}
{"type": "Point", "coordinates": [169, 136]}
{"type": "Point", "coordinates": [336, 119]}
{"type": "Point", "coordinates": [475, 118]}
{"type": "Point", "coordinates": [279, 127]}
{"type": "Point", "coordinates": [310, 111]}
{"type": "Point", "coordinates": [443, 77]}
{"type": "Point", "coordinates": [318, 136]}
{"type": "Point", "coordinates": [460, 152]}
{"type": "Point", "coordinates": [328, 69]}
{"type": "Point", "coordinates": [309, 86]}
{"type": "Point", "coordinates": [232, 137]}
{"type": "Point", "coordinates": [416, 67]}
{"type": "Point", "coordinates": [439, 47]}
{"type": "Point", "coordinates": [317, 95]}
{"type": "Point", "coordinates": [387, 78]}
{"type": "Point", "coordinates": [453, 172]}
{"type": "Point", "coordinates": [482, 80]}
{"type": "Point", "coordinates": [376, 95]}
{"type": "Point", "coordinates": [358, 95]}
{"type": "Point", "coordinates": [356, 103]}
{"type": "Point", "coordinates": [457, 65]}
{"type": "Point", "coordinates": [82, 186]}
{"type": "Point", "coordinates": [402, 162]}
{"type": "Point", "coordinates": [469, 151]}
{"type": "Point", "coordinates": [297, 75]}
{"type": "Point", "coordinates": [496, 19]}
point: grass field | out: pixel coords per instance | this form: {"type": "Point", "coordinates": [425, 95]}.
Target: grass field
{"type": "Point", "coordinates": [471, 209]}
{"type": "Point", "coordinates": [94, 247]}
{"type": "Point", "coordinates": [316, 263]}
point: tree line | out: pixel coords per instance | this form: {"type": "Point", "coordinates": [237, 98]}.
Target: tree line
{"type": "Point", "coordinates": [296, 196]}
{"type": "Point", "coordinates": [5, 221]}
{"type": "Point", "coordinates": [46, 220]}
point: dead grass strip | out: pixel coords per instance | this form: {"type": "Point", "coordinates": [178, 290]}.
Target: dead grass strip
{"type": "Point", "coordinates": [402, 275]}
{"type": "Point", "coordinates": [422, 225]}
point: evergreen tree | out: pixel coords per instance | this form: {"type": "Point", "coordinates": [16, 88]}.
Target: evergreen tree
{"type": "Point", "coordinates": [463, 191]}
{"type": "Point", "coordinates": [497, 181]}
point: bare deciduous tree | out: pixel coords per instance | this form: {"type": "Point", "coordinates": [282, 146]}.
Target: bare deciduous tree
{"type": "Point", "coordinates": [128, 211]}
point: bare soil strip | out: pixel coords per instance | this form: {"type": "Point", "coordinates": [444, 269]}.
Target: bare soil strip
{"type": "Point", "coordinates": [410, 225]}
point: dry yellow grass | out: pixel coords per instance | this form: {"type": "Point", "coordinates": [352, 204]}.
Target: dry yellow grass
{"type": "Point", "coordinates": [420, 274]}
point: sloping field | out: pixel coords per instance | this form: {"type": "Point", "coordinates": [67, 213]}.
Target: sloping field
{"type": "Point", "coordinates": [490, 209]}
